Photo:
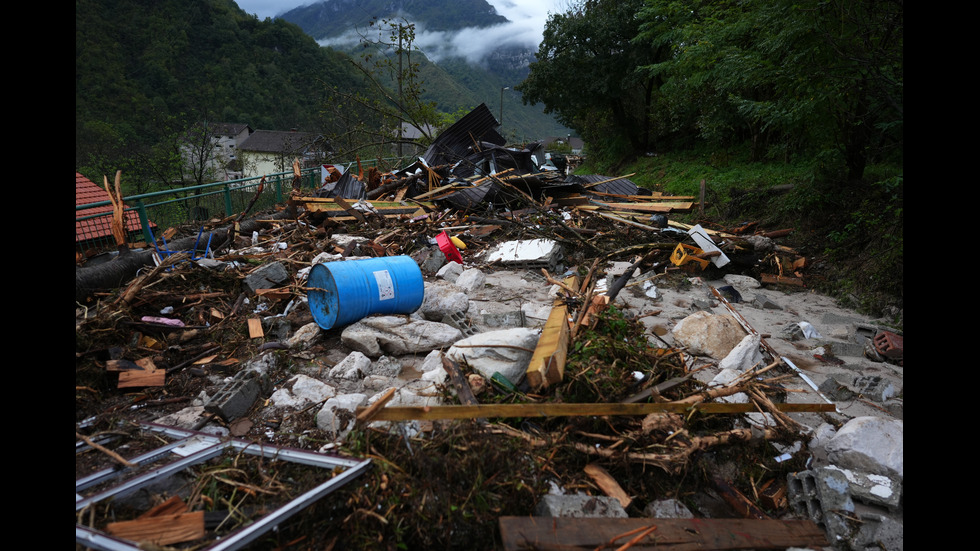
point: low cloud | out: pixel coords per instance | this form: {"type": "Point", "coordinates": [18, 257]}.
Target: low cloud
{"type": "Point", "coordinates": [473, 43]}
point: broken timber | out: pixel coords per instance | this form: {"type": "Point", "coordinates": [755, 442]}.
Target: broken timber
{"type": "Point", "coordinates": [407, 413]}
{"type": "Point", "coordinates": [547, 365]}
{"type": "Point", "coordinates": [335, 208]}
{"type": "Point", "coordinates": [676, 534]}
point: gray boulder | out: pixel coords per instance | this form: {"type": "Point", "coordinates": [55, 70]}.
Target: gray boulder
{"type": "Point", "coordinates": [507, 352]}
{"type": "Point", "coordinates": [707, 334]}
{"type": "Point", "coordinates": [396, 336]}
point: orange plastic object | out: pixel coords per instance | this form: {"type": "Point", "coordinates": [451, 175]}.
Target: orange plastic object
{"type": "Point", "coordinates": [685, 253]}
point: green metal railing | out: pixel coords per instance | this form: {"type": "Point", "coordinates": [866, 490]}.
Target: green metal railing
{"type": "Point", "coordinates": [189, 205]}
{"type": "Point", "coordinates": [160, 210]}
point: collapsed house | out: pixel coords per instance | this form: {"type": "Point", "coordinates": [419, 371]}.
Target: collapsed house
{"type": "Point", "coordinates": [558, 346]}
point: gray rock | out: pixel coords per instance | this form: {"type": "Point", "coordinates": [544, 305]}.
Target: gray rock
{"type": "Point", "coordinates": [430, 259]}
{"type": "Point", "coordinates": [443, 299]}
{"type": "Point", "coordinates": [355, 366]}
{"type": "Point", "coordinates": [450, 272]}
{"type": "Point", "coordinates": [338, 414]}
{"type": "Point", "coordinates": [432, 362]}
{"type": "Point", "coordinates": [836, 389]}
{"type": "Point", "coordinates": [418, 393]}
{"type": "Point", "coordinates": [765, 303]}
{"type": "Point", "coordinates": [761, 244]}
{"type": "Point", "coordinates": [706, 334]}
{"type": "Point", "coordinates": [875, 387]}
{"type": "Point", "coordinates": [742, 282]}
{"type": "Point", "coordinates": [667, 508]}
{"type": "Point", "coordinates": [277, 328]}
{"type": "Point", "coordinates": [869, 444]}
{"type": "Point", "coordinates": [472, 279]}
{"type": "Point", "coordinates": [386, 367]}
{"type": "Point", "coordinates": [300, 391]}
{"type": "Point", "coordinates": [579, 506]}
{"type": "Point", "coordinates": [745, 355]}
{"type": "Point", "coordinates": [396, 336]}
{"type": "Point", "coordinates": [268, 276]}
{"type": "Point", "coordinates": [874, 489]}
{"type": "Point", "coordinates": [507, 351]}
{"type": "Point", "coordinates": [304, 336]}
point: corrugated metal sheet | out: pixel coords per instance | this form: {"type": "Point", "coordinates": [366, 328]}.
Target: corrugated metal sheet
{"type": "Point", "coordinates": [471, 198]}
{"type": "Point", "coordinates": [347, 187]}
{"type": "Point", "coordinates": [621, 186]}
{"type": "Point", "coordinates": [454, 143]}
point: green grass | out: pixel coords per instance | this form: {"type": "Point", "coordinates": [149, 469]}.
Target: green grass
{"type": "Point", "coordinates": [851, 232]}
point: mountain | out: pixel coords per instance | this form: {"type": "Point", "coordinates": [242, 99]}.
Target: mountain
{"type": "Point", "coordinates": [331, 18]}
{"type": "Point", "coordinates": [458, 72]}
{"type": "Point", "coordinates": [146, 70]}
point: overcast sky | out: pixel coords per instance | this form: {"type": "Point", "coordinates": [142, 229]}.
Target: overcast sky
{"type": "Point", "coordinates": [527, 23]}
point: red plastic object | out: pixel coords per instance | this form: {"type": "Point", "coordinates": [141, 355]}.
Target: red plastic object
{"type": "Point", "coordinates": [890, 345]}
{"type": "Point", "coordinates": [448, 249]}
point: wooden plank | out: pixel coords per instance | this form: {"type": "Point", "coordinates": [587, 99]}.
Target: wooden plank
{"type": "Point", "coordinates": [407, 413]}
{"type": "Point", "coordinates": [676, 534]}
{"type": "Point", "coordinates": [547, 365]}
{"type": "Point", "coordinates": [785, 280]}
{"type": "Point", "coordinates": [139, 377]}
{"type": "Point", "coordinates": [623, 220]}
{"type": "Point", "coordinates": [317, 204]}
{"type": "Point", "coordinates": [255, 328]}
{"type": "Point", "coordinates": [644, 207]}
{"type": "Point", "coordinates": [369, 412]}
{"type": "Point", "coordinates": [351, 210]}
{"type": "Point", "coordinates": [161, 529]}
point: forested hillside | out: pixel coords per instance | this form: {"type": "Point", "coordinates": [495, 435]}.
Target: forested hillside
{"type": "Point", "coordinates": [789, 77]}
{"type": "Point", "coordinates": [146, 70]}
{"type": "Point", "coordinates": [789, 112]}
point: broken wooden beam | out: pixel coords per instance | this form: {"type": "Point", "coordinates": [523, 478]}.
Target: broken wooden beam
{"type": "Point", "coordinates": [407, 413]}
{"type": "Point", "coordinates": [547, 364]}
{"type": "Point", "coordinates": [785, 280]}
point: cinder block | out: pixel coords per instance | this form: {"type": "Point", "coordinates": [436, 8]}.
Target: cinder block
{"type": "Point", "coordinates": [235, 398]}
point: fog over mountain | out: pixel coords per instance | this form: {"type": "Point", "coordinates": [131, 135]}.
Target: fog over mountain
{"type": "Point", "coordinates": [523, 29]}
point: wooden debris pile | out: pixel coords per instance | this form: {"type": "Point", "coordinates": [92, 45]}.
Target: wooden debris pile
{"type": "Point", "coordinates": [600, 407]}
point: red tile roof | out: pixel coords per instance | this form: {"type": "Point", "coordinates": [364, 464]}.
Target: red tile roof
{"type": "Point", "coordinates": [87, 192]}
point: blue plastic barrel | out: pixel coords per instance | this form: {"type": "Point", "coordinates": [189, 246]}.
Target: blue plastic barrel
{"type": "Point", "coordinates": [346, 291]}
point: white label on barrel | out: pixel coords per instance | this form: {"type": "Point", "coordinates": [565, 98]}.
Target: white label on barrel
{"type": "Point", "coordinates": [386, 289]}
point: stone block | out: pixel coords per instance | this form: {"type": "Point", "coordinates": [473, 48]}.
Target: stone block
{"type": "Point", "coordinates": [579, 506]}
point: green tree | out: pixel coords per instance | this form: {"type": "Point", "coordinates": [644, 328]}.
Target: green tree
{"type": "Point", "coordinates": [586, 74]}
{"type": "Point", "coordinates": [788, 76]}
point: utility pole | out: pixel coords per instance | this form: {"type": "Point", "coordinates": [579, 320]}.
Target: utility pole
{"type": "Point", "coordinates": [502, 107]}
{"type": "Point", "coordinates": [401, 121]}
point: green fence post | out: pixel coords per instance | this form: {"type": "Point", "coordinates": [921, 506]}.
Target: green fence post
{"type": "Point", "coordinates": [228, 211]}
{"type": "Point", "coordinates": [144, 223]}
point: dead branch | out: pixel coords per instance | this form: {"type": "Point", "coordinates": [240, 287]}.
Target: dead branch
{"type": "Point", "coordinates": [115, 456]}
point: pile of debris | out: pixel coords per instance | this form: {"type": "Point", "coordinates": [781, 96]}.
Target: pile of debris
{"type": "Point", "coordinates": [482, 342]}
